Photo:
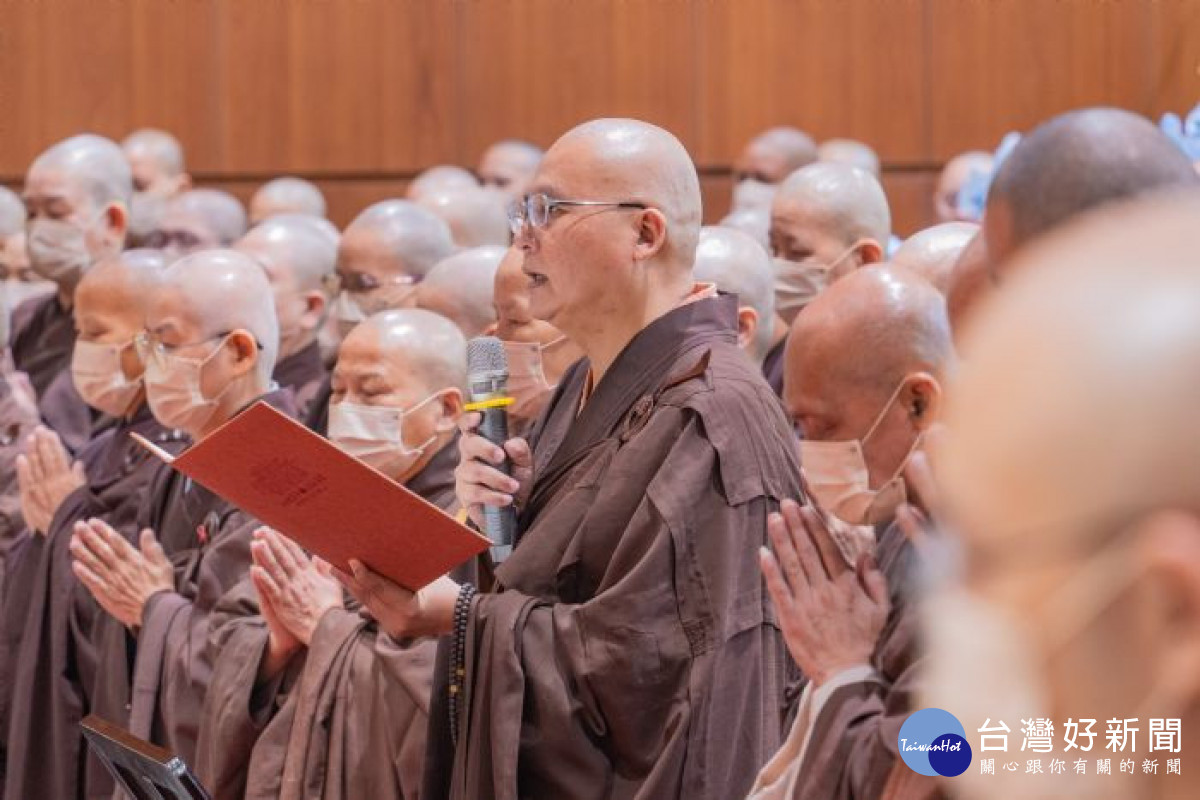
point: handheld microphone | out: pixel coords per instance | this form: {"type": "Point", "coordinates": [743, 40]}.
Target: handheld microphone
{"type": "Point", "coordinates": [487, 387]}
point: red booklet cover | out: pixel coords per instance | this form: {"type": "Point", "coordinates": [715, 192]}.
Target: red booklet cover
{"type": "Point", "coordinates": [332, 504]}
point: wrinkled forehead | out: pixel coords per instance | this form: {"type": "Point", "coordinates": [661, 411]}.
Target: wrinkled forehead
{"type": "Point", "coordinates": [365, 355]}
{"type": "Point", "coordinates": [51, 181]}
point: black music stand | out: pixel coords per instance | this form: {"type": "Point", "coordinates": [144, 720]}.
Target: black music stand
{"type": "Point", "coordinates": [145, 771]}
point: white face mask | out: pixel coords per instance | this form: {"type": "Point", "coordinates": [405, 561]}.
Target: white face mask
{"type": "Point", "coordinates": [836, 473]}
{"type": "Point", "coordinates": [174, 393]}
{"type": "Point", "coordinates": [527, 383]}
{"type": "Point", "coordinates": [797, 283]}
{"type": "Point", "coordinates": [99, 378]}
{"type": "Point", "coordinates": [58, 249]}
{"type": "Point", "coordinates": [375, 435]}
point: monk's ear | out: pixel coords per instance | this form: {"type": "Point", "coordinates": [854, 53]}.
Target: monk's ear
{"type": "Point", "coordinates": [652, 234]}
{"type": "Point", "coordinates": [1169, 545]}
{"type": "Point", "coordinates": [245, 351]}
{"type": "Point", "coordinates": [315, 305]}
{"type": "Point", "coordinates": [116, 223]}
{"type": "Point", "coordinates": [452, 409]}
{"type": "Point", "coordinates": [747, 325]}
{"type": "Point", "coordinates": [870, 252]}
{"type": "Point", "coordinates": [924, 400]}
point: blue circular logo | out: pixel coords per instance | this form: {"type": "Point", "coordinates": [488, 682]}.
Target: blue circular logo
{"type": "Point", "coordinates": [933, 742]}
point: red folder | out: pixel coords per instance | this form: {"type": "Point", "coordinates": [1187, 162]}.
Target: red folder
{"type": "Point", "coordinates": [333, 505]}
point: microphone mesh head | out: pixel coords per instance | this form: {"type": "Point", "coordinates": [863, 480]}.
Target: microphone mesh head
{"type": "Point", "coordinates": [486, 354]}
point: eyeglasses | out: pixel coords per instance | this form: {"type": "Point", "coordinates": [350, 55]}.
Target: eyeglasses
{"type": "Point", "coordinates": [535, 209]}
{"type": "Point", "coordinates": [162, 239]}
{"type": "Point", "coordinates": [338, 282]}
{"type": "Point", "coordinates": [151, 346]}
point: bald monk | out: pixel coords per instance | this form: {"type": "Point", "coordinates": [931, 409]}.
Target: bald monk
{"type": "Point", "coordinates": [738, 265]}
{"type": "Point", "coordinates": [752, 221]}
{"type": "Point", "coordinates": [953, 178]}
{"type": "Point", "coordinates": [1075, 445]}
{"type": "Point", "coordinates": [440, 178]}
{"type": "Point", "coordinates": [309, 700]}
{"type": "Point", "coordinates": [508, 166]}
{"type": "Point", "coordinates": [383, 254]}
{"type": "Point", "coordinates": [1074, 163]}
{"type": "Point", "coordinates": [538, 353]}
{"type": "Point", "coordinates": [826, 221]}
{"type": "Point", "coordinates": [286, 195]}
{"type": "Point", "coordinates": [199, 219]}
{"type": "Point", "coordinates": [159, 173]}
{"type": "Point", "coordinates": [77, 199]}
{"type": "Point", "coordinates": [210, 348]}
{"type": "Point", "coordinates": [866, 362]}
{"type": "Point", "coordinates": [766, 161]}
{"type": "Point", "coordinates": [600, 664]}
{"type": "Point", "coordinates": [48, 617]}
{"type": "Point", "coordinates": [933, 252]}
{"type": "Point", "coordinates": [476, 216]}
{"type": "Point", "coordinates": [18, 280]}
{"type": "Point", "coordinates": [299, 258]}
{"type": "Point", "coordinates": [850, 152]}
{"type": "Point", "coordinates": [460, 288]}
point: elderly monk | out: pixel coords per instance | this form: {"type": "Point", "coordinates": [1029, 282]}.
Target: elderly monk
{"type": "Point", "coordinates": [538, 353]}
{"type": "Point", "coordinates": [18, 281]}
{"type": "Point", "coordinates": [199, 219]}
{"type": "Point", "coordinates": [738, 265]}
{"type": "Point", "coordinates": [76, 198]}
{"type": "Point", "coordinates": [383, 254]}
{"type": "Point", "coordinates": [1076, 162]}
{"type": "Point", "coordinates": [48, 610]}
{"type": "Point", "coordinates": [953, 178]}
{"type": "Point", "coordinates": [476, 216]}
{"type": "Point", "coordinates": [850, 152]}
{"type": "Point", "coordinates": [865, 367]}
{"type": "Point", "coordinates": [157, 162]}
{"type": "Point", "coordinates": [508, 166]}
{"type": "Point", "coordinates": [440, 178]}
{"type": "Point", "coordinates": [766, 161]}
{"type": "Point", "coordinates": [210, 347]}
{"type": "Point", "coordinates": [286, 195]}
{"type": "Point", "coordinates": [460, 288]}
{"type": "Point", "coordinates": [308, 699]}
{"type": "Point", "coordinates": [826, 221]}
{"type": "Point", "coordinates": [600, 664]}
{"type": "Point", "coordinates": [1073, 479]}
{"type": "Point", "coordinates": [299, 258]}
{"type": "Point", "coordinates": [933, 252]}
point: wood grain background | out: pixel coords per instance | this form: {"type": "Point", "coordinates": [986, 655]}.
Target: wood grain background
{"type": "Point", "coordinates": [360, 94]}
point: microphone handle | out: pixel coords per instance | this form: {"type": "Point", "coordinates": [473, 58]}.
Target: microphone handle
{"type": "Point", "coordinates": [499, 523]}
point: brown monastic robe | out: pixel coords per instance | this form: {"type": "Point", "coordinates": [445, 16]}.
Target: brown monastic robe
{"type": "Point", "coordinates": [772, 367]}
{"type": "Point", "coordinates": [43, 342]}
{"type": "Point", "coordinates": [153, 682]}
{"type": "Point", "coordinates": [17, 420]}
{"type": "Point", "coordinates": [851, 750]}
{"type": "Point", "coordinates": [630, 649]}
{"type": "Point", "coordinates": [50, 615]}
{"type": "Point", "coordinates": [304, 373]}
{"type": "Point", "coordinates": [347, 719]}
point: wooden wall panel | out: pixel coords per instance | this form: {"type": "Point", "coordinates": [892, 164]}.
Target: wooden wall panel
{"type": "Point", "coordinates": [1175, 66]}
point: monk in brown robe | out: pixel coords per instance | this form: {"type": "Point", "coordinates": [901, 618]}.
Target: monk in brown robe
{"type": "Point", "coordinates": [739, 266]}
{"type": "Point", "coordinates": [159, 173]}
{"type": "Point", "coordinates": [48, 616]}
{"type": "Point", "coordinates": [933, 253]}
{"type": "Point", "coordinates": [77, 197]}
{"type": "Point", "coordinates": [198, 219]}
{"type": "Point", "coordinates": [628, 648]}
{"type": "Point", "coordinates": [866, 362]}
{"type": "Point", "coordinates": [538, 353]}
{"type": "Point", "coordinates": [210, 346]}
{"type": "Point", "coordinates": [460, 288]}
{"type": "Point", "coordinates": [383, 254]}
{"type": "Point", "coordinates": [1070, 476]}
{"type": "Point", "coordinates": [508, 166]}
{"type": "Point", "coordinates": [827, 220]}
{"type": "Point", "coordinates": [309, 700]}
{"type": "Point", "coordinates": [766, 161]}
{"type": "Point", "coordinates": [299, 257]}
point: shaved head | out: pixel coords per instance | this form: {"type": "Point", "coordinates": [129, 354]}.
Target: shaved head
{"type": "Point", "coordinates": [411, 239]}
{"type": "Point", "coordinates": [933, 252]}
{"type": "Point", "coordinates": [850, 152]}
{"type": "Point", "coordinates": [509, 166]}
{"type": "Point", "coordinates": [296, 243]}
{"type": "Point", "coordinates": [1076, 162]}
{"type": "Point", "coordinates": [476, 216]}
{"type": "Point", "coordinates": [440, 178]}
{"type": "Point", "coordinates": [162, 150]}
{"type": "Point", "coordinates": [754, 222]}
{"type": "Point", "coordinates": [739, 265]}
{"type": "Point", "coordinates": [223, 290]}
{"type": "Point", "coordinates": [846, 201]}
{"type": "Point", "coordinates": [460, 288]}
{"type": "Point", "coordinates": [94, 163]}
{"type": "Point", "coordinates": [12, 213]}
{"type": "Point", "coordinates": [954, 177]}
{"type": "Point", "coordinates": [432, 345]}
{"type": "Point", "coordinates": [774, 154]}
{"type": "Point", "coordinates": [134, 274]}
{"type": "Point", "coordinates": [199, 219]}
{"type": "Point", "coordinates": [286, 195]}
{"type": "Point", "coordinates": [971, 282]}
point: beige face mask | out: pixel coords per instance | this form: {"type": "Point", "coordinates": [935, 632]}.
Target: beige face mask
{"type": "Point", "coordinates": [58, 249]}
{"type": "Point", "coordinates": [837, 476]}
{"type": "Point", "coordinates": [375, 434]}
{"type": "Point", "coordinates": [798, 282]}
{"type": "Point", "coordinates": [99, 378]}
{"type": "Point", "coordinates": [527, 383]}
